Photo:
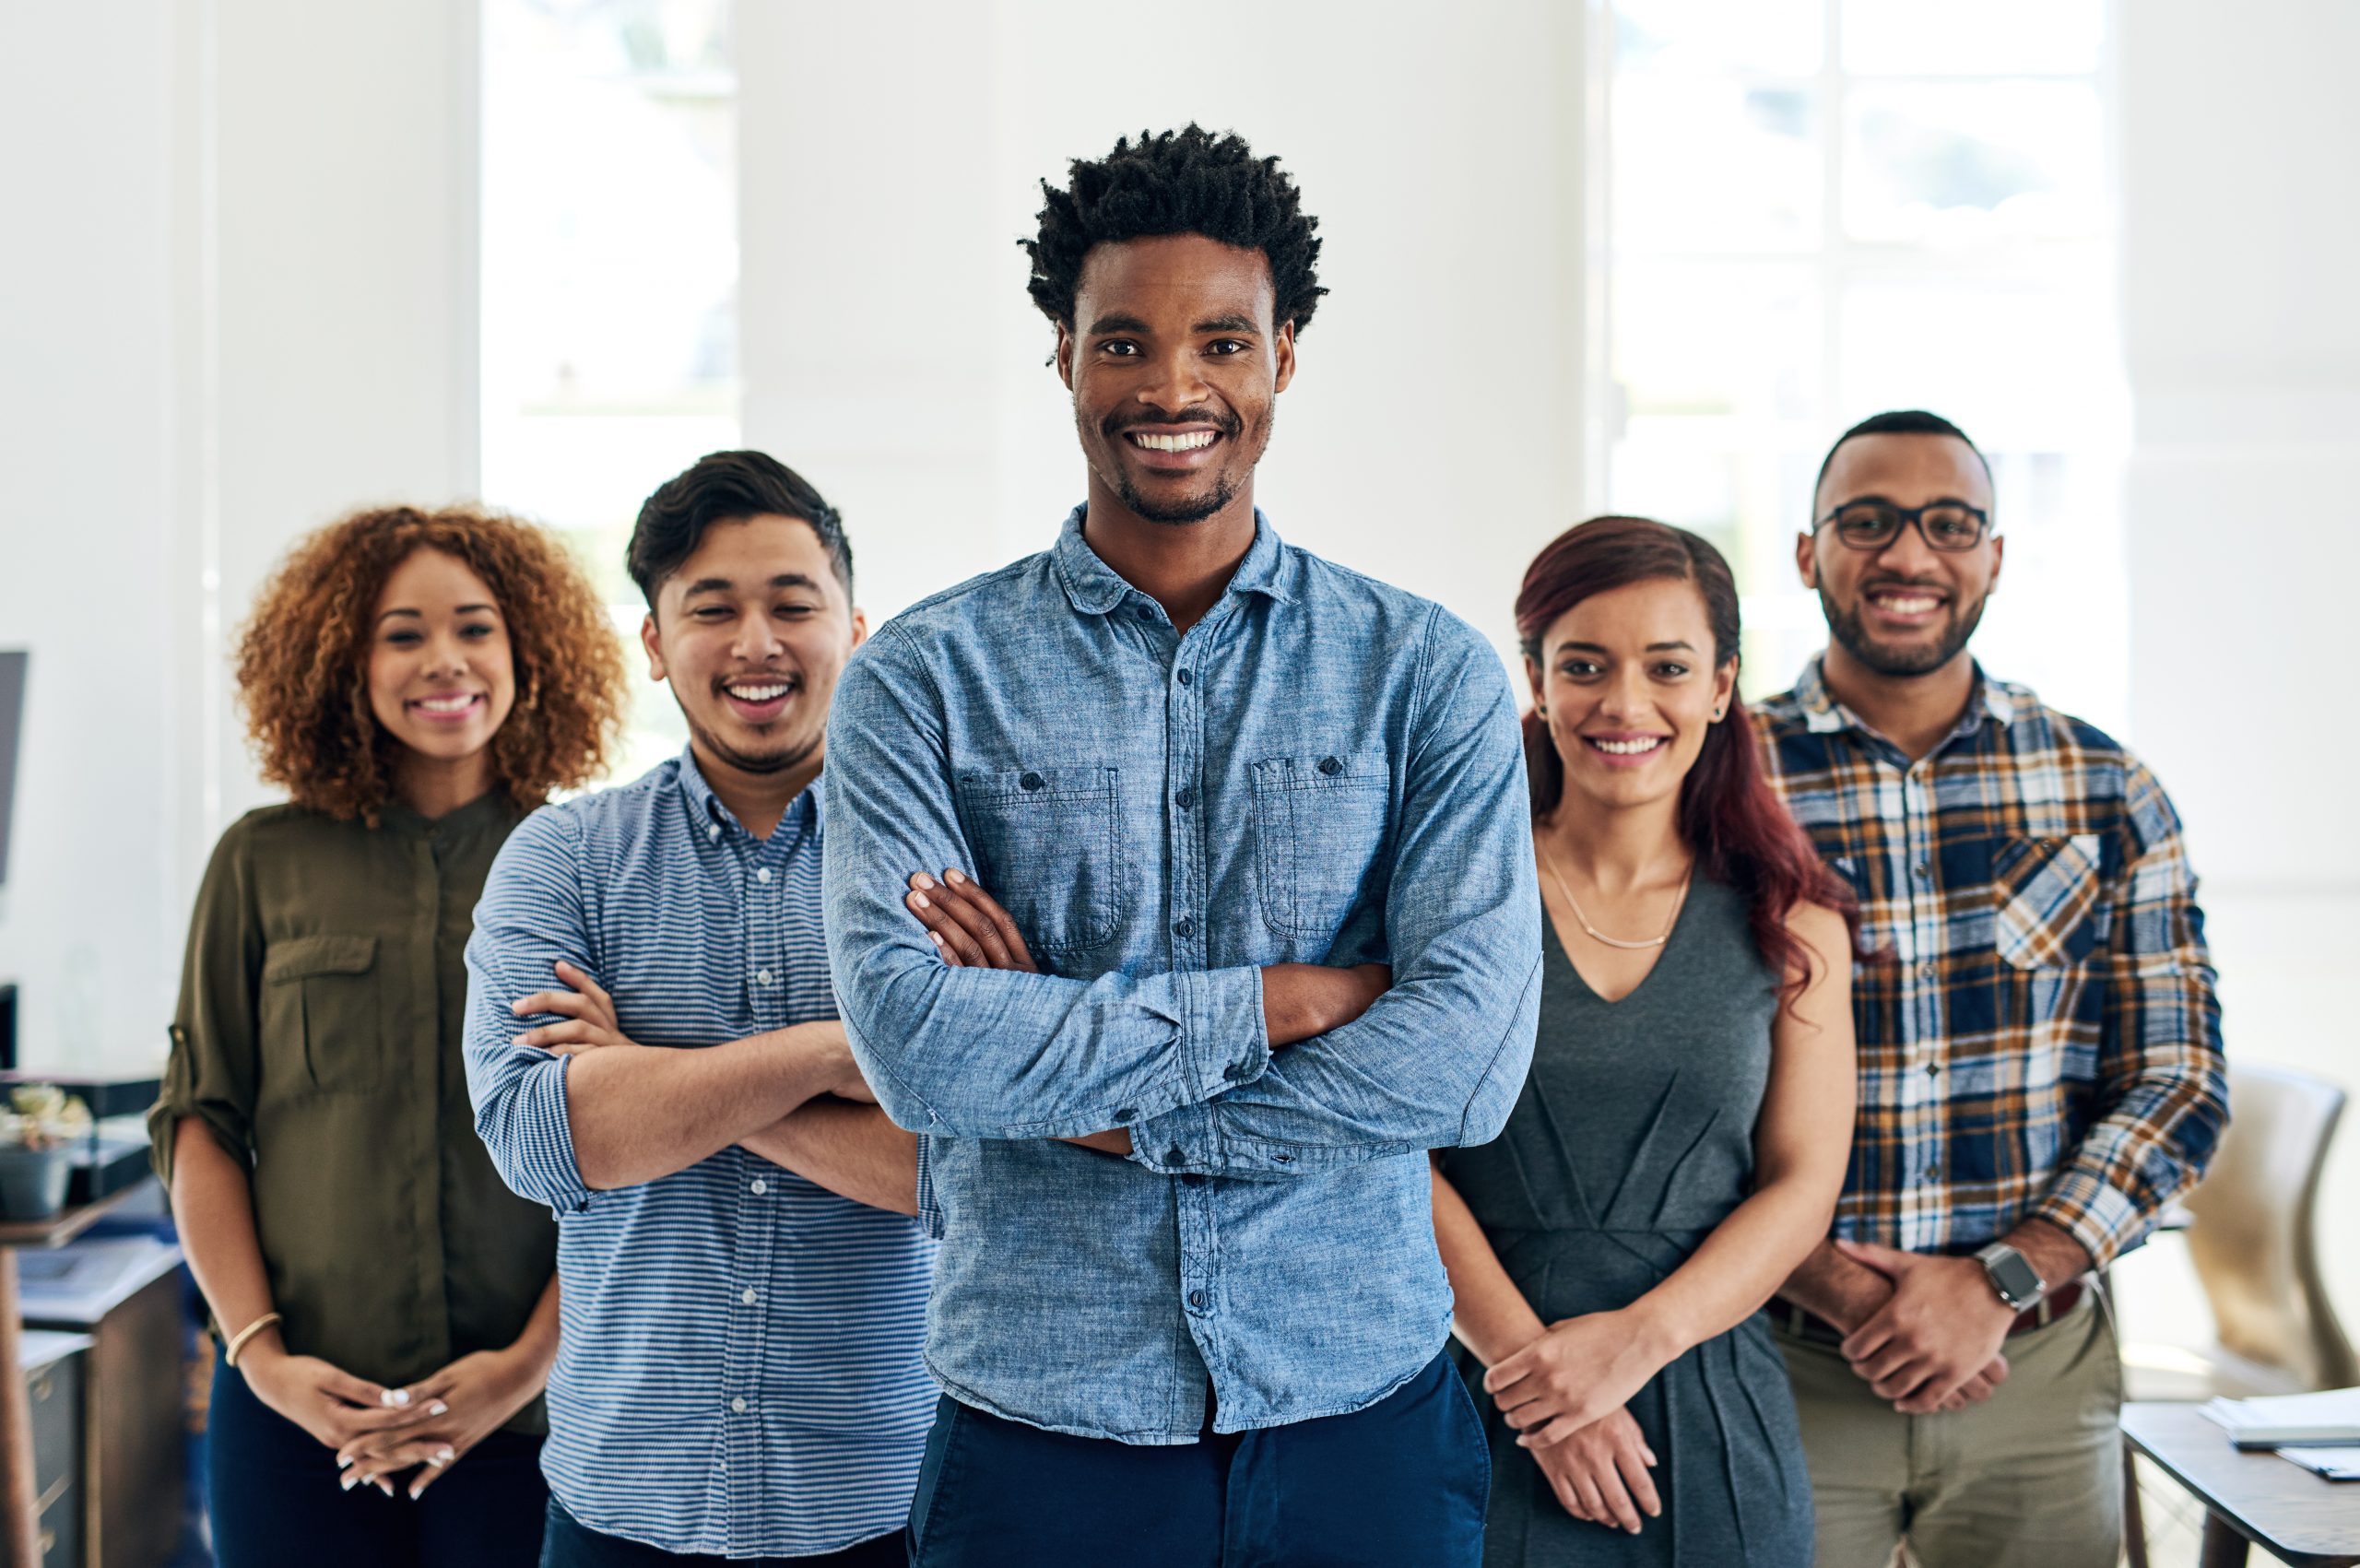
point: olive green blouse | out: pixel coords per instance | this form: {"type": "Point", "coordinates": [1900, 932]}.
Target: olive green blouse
{"type": "Point", "coordinates": [318, 1037]}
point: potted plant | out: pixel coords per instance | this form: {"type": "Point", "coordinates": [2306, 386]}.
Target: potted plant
{"type": "Point", "coordinates": [40, 1120]}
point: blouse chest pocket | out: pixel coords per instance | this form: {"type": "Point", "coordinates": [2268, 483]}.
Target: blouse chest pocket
{"type": "Point", "coordinates": [322, 1012]}
{"type": "Point", "coordinates": [1319, 827]}
{"type": "Point", "coordinates": [2050, 914]}
{"type": "Point", "coordinates": [1047, 847]}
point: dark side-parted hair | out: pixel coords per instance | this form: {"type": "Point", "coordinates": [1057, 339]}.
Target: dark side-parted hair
{"type": "Point", "coordinates": [1729, 816]}
{"type": "Point", "coordinates": [1899, 422]}
{"type": "Point", "coordinates": [726, 486]}
{"type": "Point", "coordinates": [1185, 182]}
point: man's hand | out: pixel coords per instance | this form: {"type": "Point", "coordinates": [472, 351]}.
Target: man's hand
{"type": "Point", "coordinates": [470, 1399]}
{"type": "Point", "coordinates": [587, 1012]}
{"type": "Point", "coordinates": [1936, 1344]}
{"type": "Point", "coordinates": [1601, 1473]}
{"type": "Point", "coordinates": [972, 931]}
{"type": "Point", "coordinates": [1579, 1371]}
{"type": "Point", "coordinates": [967, 926]}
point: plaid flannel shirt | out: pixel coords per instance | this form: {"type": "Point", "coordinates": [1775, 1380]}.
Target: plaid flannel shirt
{"type": "Point", "coordinates": [2038, 1037]}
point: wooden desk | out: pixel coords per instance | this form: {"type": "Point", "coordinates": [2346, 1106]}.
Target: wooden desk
{"type": "Point", "coordinates": [2249, 1498]}
{"type": "Point", "coordinates": [19, 1524]}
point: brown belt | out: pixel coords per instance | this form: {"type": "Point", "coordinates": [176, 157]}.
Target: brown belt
{"type": "Point", "coordinates": [1794, 1320]}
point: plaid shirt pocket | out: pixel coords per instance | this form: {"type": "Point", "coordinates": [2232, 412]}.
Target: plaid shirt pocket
{"type": "Point", "coordinates": [2049, 893]}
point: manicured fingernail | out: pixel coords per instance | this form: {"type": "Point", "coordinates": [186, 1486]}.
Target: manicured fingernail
{"type": "Point", "coordinates": [935, 937]}
{"type": "Point", "coordinates": [352, 1479]}
{"type": "Point", "coordinates": [444, 1455]}
{"type": "Point", "coordinates": [396, 1396]}
{"type": "Point", "coordinates": [516, 1040]}
{"type": "Point", "coordinates": [953, 877]}
{"type": "Point", "coordinates": [343, 1461]}
{"type": "Point", "coordinates": [385, 1486]}
{"type": "Point", "coordinates": [919, 899]}
{"type": "Point", "coordinates": [923, 880]}
{"type": "Point", "coordinates": [440, 1409]}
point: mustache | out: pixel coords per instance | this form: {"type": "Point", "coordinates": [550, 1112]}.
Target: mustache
{"type": "Point", "coordinates": [1229, 424]}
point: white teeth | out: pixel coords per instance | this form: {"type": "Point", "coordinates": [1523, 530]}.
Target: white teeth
{"type": "Point", "coordinates": [758, 693]}
{"type": "Point", "coordinates": [1627, 748]}
{"type": "Point", "coordinates": [1913, 605]}
{"type": "Point", "coordinates": [446, 704]}
{"type": "Point", "coordinates": [1189, 443]}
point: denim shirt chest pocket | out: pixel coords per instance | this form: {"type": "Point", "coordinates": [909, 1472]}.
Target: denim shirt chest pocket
{"type": "Point", "coordinates": [1320, 823]}
{"type": "Point", "coordinates": [1047, 847]}
{"type": "Point", "coordinates": [2048, 909]}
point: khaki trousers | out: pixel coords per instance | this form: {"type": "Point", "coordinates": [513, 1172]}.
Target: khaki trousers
{"type": "Point", "coordinates": [2032, 1477]}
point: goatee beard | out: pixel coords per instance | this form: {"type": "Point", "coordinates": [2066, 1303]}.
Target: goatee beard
{"type": "Point", "coordinates": [1900, 663]}
{"type": "Point", "coordinates": [1195, 509]}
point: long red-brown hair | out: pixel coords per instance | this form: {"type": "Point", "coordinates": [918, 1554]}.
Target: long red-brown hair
{"type": "Point", "coordinates": [1729, 816]}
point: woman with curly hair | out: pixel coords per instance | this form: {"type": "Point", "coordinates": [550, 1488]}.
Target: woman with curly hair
{"type": "Point", "coordinates": [418, 682]}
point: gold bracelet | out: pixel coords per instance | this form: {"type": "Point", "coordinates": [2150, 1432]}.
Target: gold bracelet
{"type": "Point", "coordinates": [238, 1340]}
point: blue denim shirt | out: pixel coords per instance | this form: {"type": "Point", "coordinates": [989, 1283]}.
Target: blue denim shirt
{"type": "Point", "coordinates": [1323, 770]}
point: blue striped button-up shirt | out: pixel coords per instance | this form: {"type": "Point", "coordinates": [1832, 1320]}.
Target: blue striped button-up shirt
{"type": "Point", "coordinates": [739, 1371]}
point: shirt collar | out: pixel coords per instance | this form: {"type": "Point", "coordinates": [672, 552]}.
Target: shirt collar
{"type": "Point", "coordinates": [1096, 587]}
{"type": "Point", "coordinates": [805, 813]}
{"type": "Point", "coordinates": [1823, 714]}
{"type": "Point", "coordinates": [491, 807]}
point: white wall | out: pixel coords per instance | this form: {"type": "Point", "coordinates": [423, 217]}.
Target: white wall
{"type": "Point", "coordinates": [2242, 334]}
{"type": "Point", "coordinates": [1432, 436]}
{"type": "Point", "coordinates": [249, 305]}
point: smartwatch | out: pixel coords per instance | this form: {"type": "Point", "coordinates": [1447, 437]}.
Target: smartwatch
{"type": "Point", "coordinates": [2012, 1276]}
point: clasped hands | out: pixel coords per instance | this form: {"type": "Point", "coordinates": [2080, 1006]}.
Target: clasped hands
{"type": "Point", "coordinates": [1935, 1343]}
{"type": "Point", "coordinates": [379, 1433]}
{"type": "Point", "coordinates": [1565, 1394]}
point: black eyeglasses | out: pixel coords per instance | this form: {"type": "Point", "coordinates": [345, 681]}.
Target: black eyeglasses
{"type": "Point", "coordinates": [1873, 525]}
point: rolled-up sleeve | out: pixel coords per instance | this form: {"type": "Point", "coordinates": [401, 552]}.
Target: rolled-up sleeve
{"type": "Point", "coordinates": [531, 914]}
{"type": "Point", "coordinates": [2160, 1071]}
{"type": "Point", "coordinates": [216, 1048]}
{"type": "Point", "coordinates": [976, 1052]}
{"type": "Point", "coordinates": [1439, 1059]}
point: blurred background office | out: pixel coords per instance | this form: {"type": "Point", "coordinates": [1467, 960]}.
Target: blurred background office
{"type": "Point", "coordinates": [264, 261]}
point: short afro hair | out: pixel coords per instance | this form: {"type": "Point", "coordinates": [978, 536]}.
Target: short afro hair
{"type": "Point", "coordinates": [1186, 181]}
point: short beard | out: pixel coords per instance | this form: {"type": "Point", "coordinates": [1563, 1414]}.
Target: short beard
{"type": "Point", "coordinates": [757, 763]}
{"type": "Point", "coordinates": [1192, 510]}
{"type": "Point", "coordinates": [1900, 663]}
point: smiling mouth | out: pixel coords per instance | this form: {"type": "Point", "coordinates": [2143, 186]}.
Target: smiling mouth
{"type": "Point", "coordinates": [455, 705]}
{"type": "Point", "coordinates": [1183, 440]}
{"type": "Point", "coordinates": [1631, 745]}
{"type": "Point", "coordinates": [759, 701]}
{"type": "Point", "coordinates": [1906, 604]}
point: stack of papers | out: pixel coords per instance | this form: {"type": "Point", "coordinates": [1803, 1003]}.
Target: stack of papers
{"type": "Point", "coordinates": [2332, 1419]}
{"type": "Point", "coordinates": [2333, 1464]}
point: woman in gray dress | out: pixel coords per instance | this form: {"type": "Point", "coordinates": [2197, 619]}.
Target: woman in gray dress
{"type": "Point", "coordinates": [1682, 1139]}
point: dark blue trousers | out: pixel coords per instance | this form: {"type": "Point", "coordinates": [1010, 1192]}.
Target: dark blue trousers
{"type": "Point", "coordinates": [1401, 1484]}
{"type": "Point", "coordinates": [573, 1544]}
{"type": "Point", "coordinates": [272, 1489]}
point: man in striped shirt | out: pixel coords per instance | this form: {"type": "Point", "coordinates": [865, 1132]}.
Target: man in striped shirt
{"type": "Point", "coordinates": [2040, 1053]}
{"type": "Point", "coordinates": [743, 1291]}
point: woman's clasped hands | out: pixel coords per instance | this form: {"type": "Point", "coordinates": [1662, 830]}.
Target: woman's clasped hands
{"type": "Point", "coordinates": [1565, 1394]}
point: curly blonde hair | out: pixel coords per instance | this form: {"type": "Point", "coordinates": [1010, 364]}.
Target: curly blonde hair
{"type": "Point", "coordinates": [303, 655]}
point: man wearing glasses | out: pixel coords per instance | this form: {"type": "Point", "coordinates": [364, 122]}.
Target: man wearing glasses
{"type": "Point", "coordinates": [2039, 1045]}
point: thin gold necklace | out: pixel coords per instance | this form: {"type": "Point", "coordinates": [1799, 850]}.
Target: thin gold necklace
{"type": "Point", "coordinates": [1598, 936]}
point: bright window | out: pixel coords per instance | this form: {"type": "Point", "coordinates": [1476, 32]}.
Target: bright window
{"type": "Point", "coordinates": [610, 287]}
{"type": "Point", "coordinates": [1817, 210]}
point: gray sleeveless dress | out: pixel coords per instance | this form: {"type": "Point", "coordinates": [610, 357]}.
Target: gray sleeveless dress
{"type": "Point", "coordinates": [1633, 1139]}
